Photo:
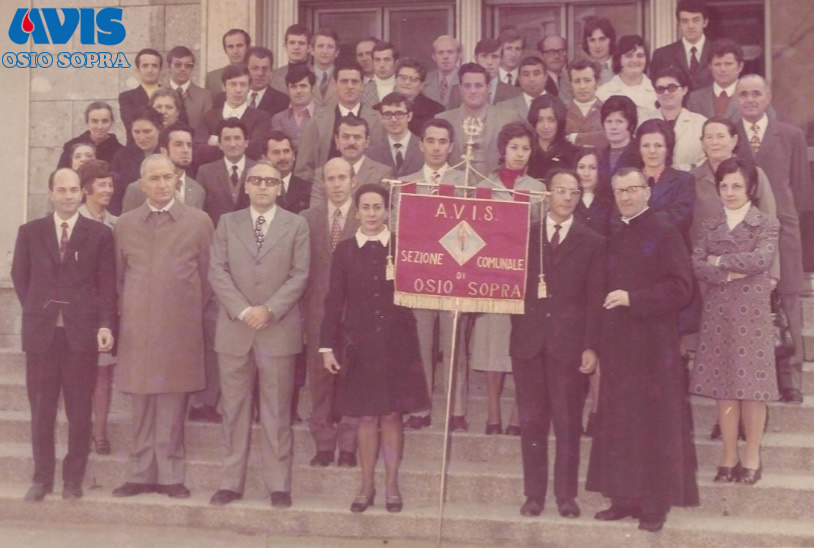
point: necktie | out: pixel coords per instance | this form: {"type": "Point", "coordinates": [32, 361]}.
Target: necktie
{"type": "Point", "coordinates": [179, 91]}
{"type": "Point", "coordinates": [555, 239]}
{"type": "Point", "coordinates": [234, 178]}
{"type": "Point", "coordinates": [323, 85]}
{"type": "Point", "coordinates": [436, 178]}
{"type": "Point", "coordinates": [258, 231]}
{"type": "Point", "coordinates": [509, 78]}
{"type": "Point", "coordinates": [651, 182]}
{"type": "Point", "coordinates": [443, 88]}
{"type": "Point", "coordinates": [720, 103]}
{"type": "Point", "coordinates": [281, 196]}
{"type": "Point", "coordinates": [755, 140]}
{"type": "Point", "coordinates": [63, 241]}
{"type": "Point", "coordinates": [693, 61]}
{"type": "Point", "coordinates": [399, 156]}
{"type": "Point", "coordinates": [253, 101]}
{"type": "Point", "coordinates": [336, 228]}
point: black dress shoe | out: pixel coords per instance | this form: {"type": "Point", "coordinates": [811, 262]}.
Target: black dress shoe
{"type": "Point", "coordinates": [652, 523]}
{"type": "Point", "coordinates": [792, 395]}
{"type": "Point", "coordinates": [222, 497]}
{"type": "Point", "coordinates": [71, 491]}
{"type": "Point", "coordinates": [37, 492]}
{"type": "Point", "coordinates": [512, 430]}
{"type": "Point", "coordinates": [493, 429]}
{"type": "Point", "coordinates": [346, 459]}
{"type": "Point", "coordinates": [568, 508]}
{"type": "Point", "coordinates": [532, 507]}
{"type": "Point", "coordinates": [362, 503]}
{"type": "Point", "coordinates": [458, 424]}
{"type": "Point", "coordinates": [204, 413]}
{"type": "Point", "coordinates": [728, 474]}
{"type": "Point", "coordinates": [749, 476]}
{"type": "Point", "coordinates": [617, 512]}
{"type": "Point", "coordinates": [280, 499]}
{"type": "Point", "coordinates": [417, 422]}
{"type": "Point", "coordinates": [174, 491]}
{"type": "Point", "coordinates": [393, 503]}
{"type": "Point", "coordinates": [323, 458]}
{"type": "Point", "coordinates": [133, 489]}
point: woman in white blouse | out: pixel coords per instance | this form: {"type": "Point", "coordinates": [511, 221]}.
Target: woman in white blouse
{"type": "Point", "coordinates": [630, 60]}
{"type": "Point", "coordinates": [672, 86]}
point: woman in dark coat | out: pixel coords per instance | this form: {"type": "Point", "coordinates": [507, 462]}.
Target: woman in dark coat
{"type": "Point", "coordinates": [595, 206]}
{"type": "Point", "coordinates": [619, 120]}
{"type": "Point", "coordinates": [547, 115]}
{"type": "Point", "coordinates": [735, 362]}
{"type": "Point", "coordinates": [126, 164]}
{"type": "Point", "coordinates": [379, 366]}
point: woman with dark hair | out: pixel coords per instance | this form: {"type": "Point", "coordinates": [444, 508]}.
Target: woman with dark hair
{"type": "Point", "coordinates": [595, 206]}
{"type": "Point", "coordinates": [672, 87]}
{"type": "Point", "coordinates": [126, 164]}
{"type": "Point", "coordinates": [170, 106]}
{"type": "Point", "coordinates": [619, 120]}
{"type": "Point", "coordinates": [735, 361]}
{"type": "Point", "coordinates": [599, 44]}
{"type": "Point", "coordinates": [490, 332]}
{"type": "Point", "coordinates": [379, 367]}
{"type": "Point", "coordinates": [550, 150]}
{"type": "Point", "coordinates": [630, 61]}
{"type": "Point", "coordinates": [81, 153]}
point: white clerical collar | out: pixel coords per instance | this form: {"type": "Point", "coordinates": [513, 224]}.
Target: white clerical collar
{"type": "Point", "coordinates": [627, 220]}
{"type": "Point", "coordinates": [382, 237]}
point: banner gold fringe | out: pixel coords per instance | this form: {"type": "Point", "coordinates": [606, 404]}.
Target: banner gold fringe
{"type": "Point", "coordinates": [462, 304]}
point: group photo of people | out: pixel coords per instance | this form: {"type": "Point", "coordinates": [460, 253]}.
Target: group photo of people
{"type": "Point", "coordinates": [231, 254]}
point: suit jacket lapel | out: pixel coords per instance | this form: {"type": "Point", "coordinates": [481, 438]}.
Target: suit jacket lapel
{"type": "Point", "coordinates": [245, 231]}
{"type": "Point", "coordinates": [49, 236]}
{"type": "Point", "coordinates": [771, 140]}
{"type": "Point", "coordinates": [78, 236]}
{"type": "Point", "coordinates": [277, 229]}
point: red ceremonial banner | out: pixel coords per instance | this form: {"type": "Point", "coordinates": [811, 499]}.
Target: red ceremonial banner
{"type": "Point", "coordinates": [465, 254]}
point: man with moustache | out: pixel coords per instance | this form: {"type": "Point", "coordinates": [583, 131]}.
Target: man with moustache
{"type": "Point", "coordinates": [98, 120]}
{"type": "Point", "coordinates": [296, 39]}
{"type": "Point", "coordinates": [300, 81]}
{"type": "Point", "coordinates": [294, 193]}
{"type": "Point", "coordinates": [260, 262]}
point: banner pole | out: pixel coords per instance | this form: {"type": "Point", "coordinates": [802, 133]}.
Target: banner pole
{"type": "Point", "coordinates": [445, 456]}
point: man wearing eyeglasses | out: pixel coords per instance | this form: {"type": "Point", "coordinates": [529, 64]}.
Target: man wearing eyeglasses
{"type": "Point", "coordinates": [642, 457]}
{"type": "Point", "coordinates": [400, 150]}
{"type": "Point", "coordinates": [555, 56]}
{"type": "Point", "coordinates": [259, 270]}
{"type": "Point", "coordinates": [196, 100]}
{"type": "Point", "coordinates": [554, 344]}
{"type": "Point", "coordinates": [410, 78]}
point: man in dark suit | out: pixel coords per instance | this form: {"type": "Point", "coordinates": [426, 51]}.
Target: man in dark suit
{"type": "Point", "coordinates": [64, 275]}
{"type": "Point", "coordinates": [236, 105]}
{"type": "Point", "coordinates": [98, 119]}
{"type": "Point", "coordinates": [400, 150]}
{"type": "Point", "coordinates": [295, 193]}
{"type": "Point", "coordinates": [487, 54]}
{"type": "Point", "coordinates": [329, 222]}
{"type": "Point", "coordinates": [296, 39]}
{"type": "Point", "coordinates": [554, 343]}
{"type": "Point", "coordinates": [512, 45]}
{"type": "Point", "coordinates": [236, 42]}
{"type": "Point", "coordinates": [261, 95]}
{"type": "Point", "coordinates": [410, 78]}
{"type": "Point", "coordinates": [531, 79]}
{"type": "Point", "coordinates": [181, 62]}
{"type": "Point", "coordinates": [554, 50]}
{"type": "Point", "coordinates": [780, 150]}
{"type": "Point", "coordinates": [148, 68]}
{"type": "Point", "coordinates": [691, 52]}
{"type": "Point", "coordinates": [223, 180]}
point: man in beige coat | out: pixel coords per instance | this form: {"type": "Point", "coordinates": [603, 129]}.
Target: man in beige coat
{"type": "Point", "coordinates": [260, 263]}
{"type": "Point", "coordinates": [162, 259]}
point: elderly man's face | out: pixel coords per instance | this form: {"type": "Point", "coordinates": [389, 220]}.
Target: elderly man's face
{"type": "Point", "coordinates": [159, 181]}
{"type": "Point", "coordinates": [631, 193]}
{"type": "Point", "coordinates": [263, 185]}
{"type": "Point", "coordinates": [752, 98]}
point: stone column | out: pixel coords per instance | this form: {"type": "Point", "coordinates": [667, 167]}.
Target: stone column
{"type": "Point", "coordinates": [663, 25]}
{"type": "Point", "coordinates": [216, 18]}
{"type": "Point", "coordinates": [468, 26]}
{"type": "Point", "coordinates": [280, 15]}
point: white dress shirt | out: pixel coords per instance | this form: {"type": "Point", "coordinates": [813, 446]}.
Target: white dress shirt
{"type": "Point", "coordinates": [565, 226]}
{"type": "Point", "coordinates": [344, 209]}
{"type": "Point", "coordinates": [241, 164]}
{"type": "Point", "coordinates": [502, 73]}
{"type": "Point", "coordinates": [181, 187]}
{"type": "Point", "coordinates": [345, 111]}
{"type": "Point", "coordinates": [234, 112]}
{"type": "Point", "coordinates": [71, 223]}
{"type": "Point", "coordinates": [184, 87]}
{"type": "Point", "coordinates": [761, 128]}
{"type": "Point", "coordinates": [286, 182]}
{"type": "Point", "coordinates": [730, 91]}
{"type": "Point", "coordinates": [260, 93]}
{"type": "Point", "coordinates": [699, 47]}
{"type": "Point", "coordinates": [429, 171]}
{"type": "Point", "coordinates": [163, 209]}
{"type": "Point", "coordinates": [404, 142]}
{"type": "Point", "coordinates": [357, 167]}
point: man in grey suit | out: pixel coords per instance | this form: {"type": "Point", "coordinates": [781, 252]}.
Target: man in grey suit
{"type": "Point", "coordinates": [475, 88]}
{"type": "Point", "coordinates": [446, 52]}
{"type": "Point", "coordinates": [352, 139]}
{"type": "Point", "coordinates": [531, 77]}
{"type": "Point", "coordinates": [488, 53]}
{"type": "Point", "coordinates": [236, 43]}
{"type": "Point", "coordinates": [297, 37]}
{"type": "Point", "coordinates": [197, 100]}
{"type": "Point", "coordinates": [175, 142]}
{"type": "Point", "coordinates": [437, 138]}
{"type": "Point", "coordinates": [329, 222]}
{"type": "Point", "coordinates": [400, 150]}
{"type": "Point", "coordinates": [317, 143]}
{"type": "Point", "coordinates": [780, 150]}
{"type": "Point", "coordinates": [259, 269]}
{"type": "Point", "coordinates": [383, 82]}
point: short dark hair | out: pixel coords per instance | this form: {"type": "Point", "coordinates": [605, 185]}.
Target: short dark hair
{"type": "Point", "coordinates": [352, 121]}
{"type": "Point", "coordinates": [164, 136]}
{"type": "Point", "coordinates": [261, 53]}
{"type": "Point", "coordinates": [179, 103]}
{"type": "Point", "coordinates": [693, 6]}
{"type": "Point", "coordinates": [672, 71]}
{"type": "Point", "coordinates": [80, 144]}
{"type": "Point", "coordinates": [730, 125]}
{"type": "Point", "coordinates": [298, 72]}
{"type": "Point", "coordinates": [627, 170]}
{"type": "Point", "coordinates": [628, 44]}
{"type": "Point", "coordinates": [233, 71]}
{"type": "Point", "coordinates": [328, 33]}
{"type": "Point", "coordinates": [724, 46]}
{"type": "Point", "coordinates": [558, 108]}
{"type": "Point", "coordinates": [90, 171]}
{"type": "Point", "coordinates": [409, 62]}
{"type": "Point", "coordinates": [746, 168]}
{"type": "Point", "coordinates": [297, 30]}
{"type": "Point", "coordinates": [584, 63]}
{"type": "Point", "coordinates": [473, 68]}
{"type": "Point", "coordinates": [440, 123]}
{"type": "Point", "coordinates": [98, 105]}
{"type": "Point", "coordinates": [279, 136]}
{"type": "Point", "coordinates": [348, 64]}
{"type": "Point", "coordinates": [655, 126]}
{"type": "Point", "coordinates": [231, 123]}
{"type": "Point", "coordinates": [487, 45]}
{"type": "Point", "coordinates": [232, 32]}
{"type": "Point", "coordinates": [149, 51]}
{"type": "Point", "coordinates": [600, 23]}
{"type": "Point", "coordinates": [510, 131]}
{"type": "Point", "coordinates": [394, 99]}
{"type": "Point", "coordinates": [511, 34]}
{"type": "Point", "coordinates": [148, 114]}
{"type": "Point", "coordinates": [179, 51]}
{"type": "Point", "coordinates": [549, 178]}
{"type": "Point", "coordinates": [531, 61]}
{"type": "Point", "coordinates": [375, 188]}
{"type": "Point", "coordinates": [625, 106]}
{"type": "Point", "coordinates": [381, 45]}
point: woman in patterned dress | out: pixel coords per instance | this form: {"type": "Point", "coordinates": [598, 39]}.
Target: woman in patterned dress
{"type": "Point", "coordinates": [735, 362]}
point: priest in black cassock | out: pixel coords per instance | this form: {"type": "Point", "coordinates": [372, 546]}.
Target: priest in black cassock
{"type": "Point", "coordinates": [643, 458]}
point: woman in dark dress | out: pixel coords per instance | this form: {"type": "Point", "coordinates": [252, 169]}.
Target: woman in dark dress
{"type": "Point", "coordinates": [372, 345]}
{"type": "Point", "coordinates": [126, 164]}
{"type": "Point", "coordinates": [619, 120]}
{"type": "Point", "coordinates": [547, 115]}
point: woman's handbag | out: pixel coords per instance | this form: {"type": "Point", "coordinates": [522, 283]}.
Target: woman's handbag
{"type": "Point", "coordinates": [783, 342]}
